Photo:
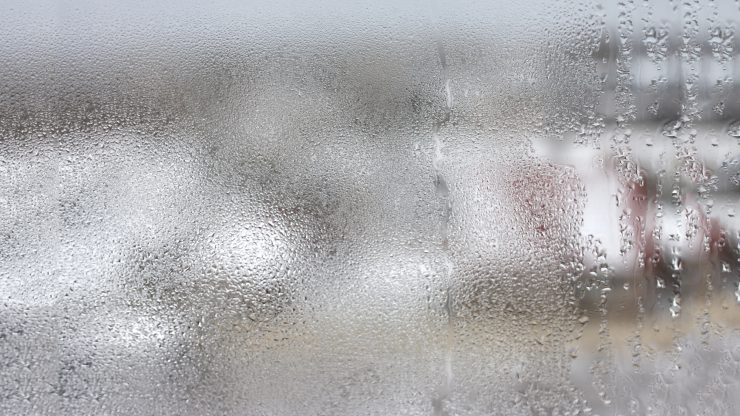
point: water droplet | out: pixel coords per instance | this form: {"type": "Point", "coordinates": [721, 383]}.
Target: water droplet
{"type": "Point", "coordinates": [733, 130]}
{"type": "Point", "coordinates": [675, 308]}
{"type": "Point", "coordinates": [672, 128]}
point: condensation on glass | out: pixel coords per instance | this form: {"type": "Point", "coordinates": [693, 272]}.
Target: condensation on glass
{"type": "Point", "coordinates": [397, 207]}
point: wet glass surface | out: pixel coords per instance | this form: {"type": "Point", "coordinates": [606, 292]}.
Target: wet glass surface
{"type": "Point", "coordinates": [319, 208]}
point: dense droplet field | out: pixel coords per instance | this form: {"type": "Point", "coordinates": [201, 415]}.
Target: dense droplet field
{"type": "Point", "coordinates": [388, 208]}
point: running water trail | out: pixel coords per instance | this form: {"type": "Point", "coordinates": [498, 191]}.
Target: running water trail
{"type": "Point", "coordinates": [442, 192]}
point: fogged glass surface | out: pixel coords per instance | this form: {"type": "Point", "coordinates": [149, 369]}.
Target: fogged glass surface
{"type": "Point", "coordinates": [389, 208]}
